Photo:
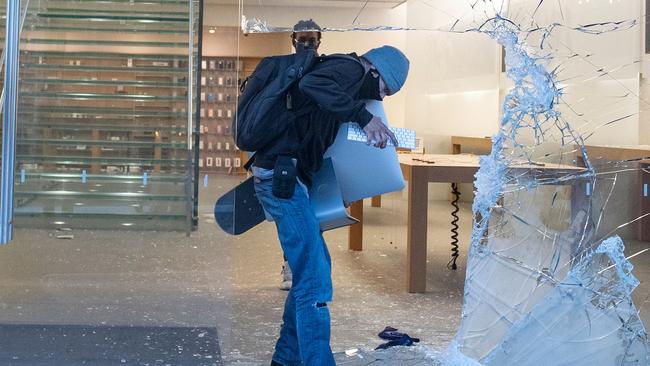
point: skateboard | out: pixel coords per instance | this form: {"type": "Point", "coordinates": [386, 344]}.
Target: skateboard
{"type": "Point", "coordinates": [238, 210]}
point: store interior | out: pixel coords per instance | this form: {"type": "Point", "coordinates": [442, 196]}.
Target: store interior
{"type": "Point", "coordinates": [123, 147]}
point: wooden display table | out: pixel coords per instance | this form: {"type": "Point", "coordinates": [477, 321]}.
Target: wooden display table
{"type": "Point", "coordinates": [419, 171]}
{"type": "Point", "coordinates": [476, 144]}
{"type": "Point", "coordinates": [644, 223]}
{"type": "Point", "coordinates": [631, 153]}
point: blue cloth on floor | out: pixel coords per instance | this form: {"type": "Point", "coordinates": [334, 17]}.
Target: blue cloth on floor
{"type": "Point", "coordinates": [395, 338]}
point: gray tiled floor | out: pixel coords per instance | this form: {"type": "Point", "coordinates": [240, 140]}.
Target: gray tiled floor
{"type": "Point", "coordinates": [212, 280]}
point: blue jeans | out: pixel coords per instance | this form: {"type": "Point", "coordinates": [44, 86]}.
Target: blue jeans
{"type": "Point", "coordinates": [305, 333]}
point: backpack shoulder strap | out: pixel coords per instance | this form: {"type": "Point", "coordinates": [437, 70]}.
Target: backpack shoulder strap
{"type": "Point", "coordinates": [342, 56]}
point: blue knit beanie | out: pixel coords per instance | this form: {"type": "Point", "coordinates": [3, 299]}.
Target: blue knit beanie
{"type": "Point", "coordinates": [392, 65]}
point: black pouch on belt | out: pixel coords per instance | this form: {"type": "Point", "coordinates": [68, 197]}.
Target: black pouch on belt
{"type": "Point", "coordinates": [284, 177]}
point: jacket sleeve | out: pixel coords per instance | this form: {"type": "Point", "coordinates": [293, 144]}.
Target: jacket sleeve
{"type": "Point", "coordinates": [329, 86]}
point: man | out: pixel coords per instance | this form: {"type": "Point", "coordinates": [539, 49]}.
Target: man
{"type": "Point", "coordinates": [306, 34]}
{"type": "Point", "coordinates": [331, 93]}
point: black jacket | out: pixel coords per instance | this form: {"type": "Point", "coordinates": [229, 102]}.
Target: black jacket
{"type": "Point", "coordinates": [323, 99]}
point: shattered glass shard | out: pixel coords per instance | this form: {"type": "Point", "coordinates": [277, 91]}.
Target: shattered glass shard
{"type": "Point", "coordinates": [587, 319]}
{"type": "Point", "coordinates": [547, 281]}
{"type": "Point", "coordinates": [534, 295]}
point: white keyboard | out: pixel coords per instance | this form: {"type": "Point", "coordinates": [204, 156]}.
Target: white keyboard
{"type": "Point", "coordinates": [405, 137]}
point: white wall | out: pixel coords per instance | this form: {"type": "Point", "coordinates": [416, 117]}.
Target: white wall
{"type": "Point", "coordinates": [454, 81]}
{"type": "Point", "coordinates": [456, 87]}
{"type": "Point", "coordinates": [644, 107]}
{"type": "Point", "coordinates": [596, 98]}
{"type": "Point", "coordinates": [453, 87]}
{"type": "Point", "coordinates": [228, 41]}
{"type": "Point", "coordinates": [644, 89]}
{"type": "Point", "coordinates": [287, 16]}
{"type": "Point", "coordinates": [601, 84]}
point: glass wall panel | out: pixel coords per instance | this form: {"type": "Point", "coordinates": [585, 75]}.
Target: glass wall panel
{"type": "Point", "coordinates": [549, 93]}
{"type": "Point", "coordinates": [103, 115]}
{"type": "Point", "coordinates": [508, 239]}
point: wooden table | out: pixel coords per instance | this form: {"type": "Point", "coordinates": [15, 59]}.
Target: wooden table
{"type": "Point", "coordinates": [644, 224]}
{"type": "Point", "coordinates": [632, 153]}
{"type": "Point", "coordinates": [615, 153]}
{"type": "Point", "coordinates": [477, 145]}
{"type": "Point", "coordinates": [472, 145]}
{"type": "Point", "coordinates": [419, 171]}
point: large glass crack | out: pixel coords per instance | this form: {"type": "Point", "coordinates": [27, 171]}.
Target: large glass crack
{"type": "Point", "coordinates": [547, 280]}
{"type": "Point", "coordinates": [531, 293]}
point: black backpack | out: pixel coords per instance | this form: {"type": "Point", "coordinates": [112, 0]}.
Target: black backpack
{"type": "Point", "coordinates": [265, 110]}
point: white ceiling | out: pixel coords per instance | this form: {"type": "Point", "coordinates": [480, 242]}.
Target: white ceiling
{"type": "Point", "coordinates": [313, 3]}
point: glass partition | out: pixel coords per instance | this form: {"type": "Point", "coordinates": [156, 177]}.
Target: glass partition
{"type": "Point", "coordinates": [104, 132]}
{"type": "Point", "coordinates": [549, 94]}
{"type": "Point", "coordinates": [515, 232]}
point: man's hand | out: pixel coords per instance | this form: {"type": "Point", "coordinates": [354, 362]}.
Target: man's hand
{"type": "Point", "coordinates": [378, 133]}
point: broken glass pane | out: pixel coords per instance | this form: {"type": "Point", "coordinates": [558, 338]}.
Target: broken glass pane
{"type": "Point", "coordinates": [547, 280]}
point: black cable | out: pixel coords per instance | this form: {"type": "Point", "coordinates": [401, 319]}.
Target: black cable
{"type": "Point", "coordinates": [454, 229]}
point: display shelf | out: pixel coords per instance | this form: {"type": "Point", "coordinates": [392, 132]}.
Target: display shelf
{"type": "Point", "coordinates": [93, 68]}
{"type": "Point", "coordinates": [114, 178]}
{"type": "Point", "coordinates": [130, 196]}
{"type": "Point", "coordinates": [97, 187]}
{"type": "Point", "coordinates": [93, 220]}
{"type": "Point", "coordinates": [86, 96]}
{"type": "Point", "coordinates": [102, 42]}
{"type": "Point", "coordinates": [119, 2]}
{"type": "Point", "coordinates": [91, 28]}
{"type": "Point", "coordinates": [103, 15]}
{"type": "Point", "coordinates": [91, 82]}
{"type": "Point", "coordinates": [97, 9]}
{"type": "Point", "coordinates": [103, 101]}
{"type": "Point", "coordinates": [220, 81]}
{"type": "Point", "coordinates": [87, 219]}
{"type": "Point", "coordinates": [81, 111]}
{"type": "Point", "coordinates": [119, 211]}
{"type": "Point", "coordinates": [105, 56]}
{"type": "Point", "coordinates": [90, 126]}
{"type": "Point", "coordinates": [103, 160]}
{"type": "Point", "coordinates": [115, 144]}
{"type": "Point", "coordinates": [94, 215]}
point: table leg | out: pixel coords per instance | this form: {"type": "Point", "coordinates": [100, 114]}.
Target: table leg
{"type": "Point", "coordinates": [644, 224]}
{"type": "Point", "coordinates": [376, 201]}
{"type": "Point", "coordinates": [355, 232]}
{"type": "Point", "coordinates": [578, 191]}
{"type": "Point", "coordinates": [455, 150]}
{"type": "Point", "coordinates": [416, 238]}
